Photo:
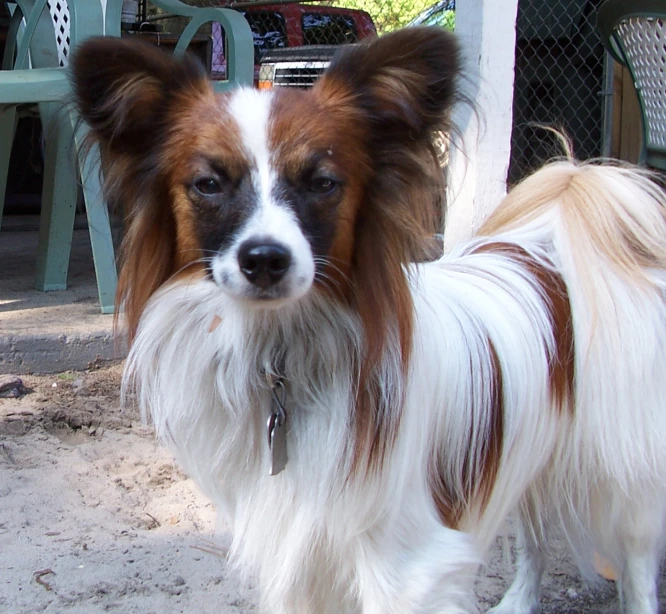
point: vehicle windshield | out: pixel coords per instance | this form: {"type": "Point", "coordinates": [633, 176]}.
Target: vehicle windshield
{"type": "Point", "coordinates": [328, 29]}
{"type": "Point", "coordinates": [441, 14]}
{"type": "Point", "coordinates": [269, 31]}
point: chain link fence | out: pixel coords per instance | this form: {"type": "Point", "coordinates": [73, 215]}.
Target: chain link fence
{"type": "Point", "coordinates": [559, 82]}
{"type": "Point", "coordinates": [559, 74]}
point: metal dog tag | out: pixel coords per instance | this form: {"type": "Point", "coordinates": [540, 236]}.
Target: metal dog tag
{"type": "Point", "coordinates": [277, 443]}
{"type": "Point", "coordinates": [277, 429]}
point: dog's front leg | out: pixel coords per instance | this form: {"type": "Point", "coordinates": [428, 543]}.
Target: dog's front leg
{"type": "Point", "coordinates": [429, 572]}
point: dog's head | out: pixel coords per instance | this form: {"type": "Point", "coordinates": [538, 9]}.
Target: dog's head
{"type": "Point", "coordinates": [272, 194]}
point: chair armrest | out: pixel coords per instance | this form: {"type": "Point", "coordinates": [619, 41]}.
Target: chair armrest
{"type": "Point", "coordinates": [34, 85]}
{"type": "Point", "coordinates": [240, 45]}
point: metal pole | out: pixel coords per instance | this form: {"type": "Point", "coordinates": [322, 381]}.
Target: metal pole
{"type": "Point", "coordinates": [607, 107]}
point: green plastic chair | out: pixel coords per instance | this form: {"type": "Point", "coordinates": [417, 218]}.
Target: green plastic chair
{"type": "Point", "coordinates": [634, 33]}
{"type": "Point", "coordinates": [34, 71]}
{"type": "Point", "coordinates": [240, 45]}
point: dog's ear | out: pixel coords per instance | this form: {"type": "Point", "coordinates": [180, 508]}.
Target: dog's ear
{"type": "Point", "coordinates": [124, 88]}
{"type": "Point", "coordinates": [405, 80]}
{"type": "Point", "coordinates": [129, 94]}
{"type": "Point", "coordinates": [399, 88]}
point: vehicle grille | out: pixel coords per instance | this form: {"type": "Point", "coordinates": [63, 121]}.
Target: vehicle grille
{"type": "Point", "coordinates": [298, 76]}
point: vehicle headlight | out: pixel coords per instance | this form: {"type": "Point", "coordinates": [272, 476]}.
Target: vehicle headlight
{"type": "Point", "coordinates": [266, 76]}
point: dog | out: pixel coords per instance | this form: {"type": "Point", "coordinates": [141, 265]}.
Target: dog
{"type": "Point", "coordinates": [364, 422]}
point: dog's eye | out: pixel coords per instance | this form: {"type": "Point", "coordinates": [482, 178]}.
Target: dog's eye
{"type": "Point", "coordinates": [322, 185]}
{"type": "Point", "coordinates": [208, 186]}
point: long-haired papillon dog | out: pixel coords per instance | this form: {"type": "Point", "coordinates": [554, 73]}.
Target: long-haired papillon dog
{"type": "Point", "coordinates": [364, 420]}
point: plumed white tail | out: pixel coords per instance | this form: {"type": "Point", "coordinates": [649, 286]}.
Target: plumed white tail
{"type": "Point", "coordinates": [618, 212]}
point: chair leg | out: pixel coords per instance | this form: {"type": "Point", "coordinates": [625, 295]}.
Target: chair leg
{"type": "Point", "coordinates": [99, 224]}
{"type": "Point", "coordinates": [59, 194]}
{"type": "Point", "coordinates": [7, 132]}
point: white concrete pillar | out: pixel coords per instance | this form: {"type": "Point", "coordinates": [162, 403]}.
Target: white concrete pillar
{"type": "Point", "coordinates": [478, 169]}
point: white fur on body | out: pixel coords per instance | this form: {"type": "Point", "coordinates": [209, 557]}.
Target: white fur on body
{"type": "Point", "coordinates": [324, 539]}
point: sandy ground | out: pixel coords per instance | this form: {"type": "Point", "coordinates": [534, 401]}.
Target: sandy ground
{"type": "Point", "coordinates": [94, 517]}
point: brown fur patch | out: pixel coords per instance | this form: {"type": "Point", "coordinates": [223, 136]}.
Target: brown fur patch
{"type": "Point", "coordinates": [401, 87]}
{"type": "Point", "coordinates": [562, 361]}
{"type": "Point", "coordinates": [202, 131]}
{"type": "Point", "coordinates": [160, 241]}
{"type": "Point", "coordinates": [147, 260]}
{"type": "Point", "coordinates": [384, 302]}
{"type": "Point", "coordinates": [494, 443]}
{"type": "Point", "coordinates": [477, 479]}
{"type": "Point", "coordinates": [130, 100]}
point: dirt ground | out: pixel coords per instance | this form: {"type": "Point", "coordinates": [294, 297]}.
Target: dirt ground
{"type": "Point", "coordinates": [94, 516]}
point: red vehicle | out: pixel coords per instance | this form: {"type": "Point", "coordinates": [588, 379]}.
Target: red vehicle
{"type": "Point", "coordinates": [281, 26]}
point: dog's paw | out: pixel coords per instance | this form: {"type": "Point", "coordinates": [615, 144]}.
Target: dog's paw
{"type": "Point", "coordinates": [514, 606]}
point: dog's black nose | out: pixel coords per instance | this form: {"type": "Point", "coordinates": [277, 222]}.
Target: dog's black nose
{"type": "Point", "coordinates": [264, 264]}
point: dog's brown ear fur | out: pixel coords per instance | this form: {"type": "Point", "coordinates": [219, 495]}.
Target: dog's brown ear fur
{"type": "Point", "coordinates": [129, 92]}
{"type": "Point", "coordinates": [124, 88]}
{"type": "Point", "coordinates": [402, 87]}
{"type": "Point", "coordinates": [406, 80]}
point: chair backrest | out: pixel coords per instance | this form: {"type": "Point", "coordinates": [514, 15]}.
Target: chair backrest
{"type": "Point", "coordinates": [239, 40]}
{"type": "Point", "coordinates": [60, 16]}
{"type": "Point", "coordinates": [45, 30]}
{"type": "Point", "coordinates": [59, 10]}
{"type": "Point", "coordinates": [54, 34]}
{"type": "Point", "coordinates": [634, 32]}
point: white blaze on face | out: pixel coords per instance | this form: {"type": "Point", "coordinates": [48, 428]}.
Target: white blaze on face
{"type": "Point", "coordinates": [271, 220]}
{"type": "Point", "coordinates": [251, 111]}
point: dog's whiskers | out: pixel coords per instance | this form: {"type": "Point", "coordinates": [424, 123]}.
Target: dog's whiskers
{"type": "Point", "coordinates": [327, 262]}
{"type": "Point", "coordinates": [202, 260]}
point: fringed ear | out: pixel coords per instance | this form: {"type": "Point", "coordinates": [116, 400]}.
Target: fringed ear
{"type": "Point", "coordinates": [127, 92]}
{"type": "Point", "coordinates": [406, 80]}
{"type": "Point", "coordinates": [403, 86]}
{"type": "Point", "coordinates": [124, 88]}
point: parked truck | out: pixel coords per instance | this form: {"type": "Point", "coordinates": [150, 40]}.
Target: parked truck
{"type": "Point", "coordinates": [293, 43]}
